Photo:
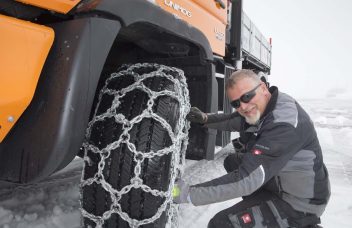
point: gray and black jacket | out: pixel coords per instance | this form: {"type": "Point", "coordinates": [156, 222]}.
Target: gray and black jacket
{"type": "Point", "coordinates": [283, 155]}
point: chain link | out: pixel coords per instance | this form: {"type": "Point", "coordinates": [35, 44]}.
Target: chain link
{"type": "Point", "coordinates": [178, 136]}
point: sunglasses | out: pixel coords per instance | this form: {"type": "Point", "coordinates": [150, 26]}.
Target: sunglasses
{"type": "Point", "coordinates": [245, 98]}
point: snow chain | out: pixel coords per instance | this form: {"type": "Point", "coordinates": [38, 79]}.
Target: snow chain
{"type": "Point", "coordinates": [179, 138]}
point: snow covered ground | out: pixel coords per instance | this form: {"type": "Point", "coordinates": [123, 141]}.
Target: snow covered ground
{"type": "Point", "coordinates": [54, 202]}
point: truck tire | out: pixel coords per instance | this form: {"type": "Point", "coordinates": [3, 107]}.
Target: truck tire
{"type": "Point", "coordinates": [117, 164]}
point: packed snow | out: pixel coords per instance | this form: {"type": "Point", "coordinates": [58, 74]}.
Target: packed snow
{"type": "Point", "coordinates": [54, 202]}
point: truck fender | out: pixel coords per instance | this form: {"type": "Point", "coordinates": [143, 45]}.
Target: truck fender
{"type": "Point", "coordinates": [51, 130]}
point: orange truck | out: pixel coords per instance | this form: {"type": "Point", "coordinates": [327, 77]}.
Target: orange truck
{"type": "Point", "coordinates": [94, 78]}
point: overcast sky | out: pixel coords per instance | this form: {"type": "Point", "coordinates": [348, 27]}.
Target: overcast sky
{"type": "Point", "coordinates": [311, 44]}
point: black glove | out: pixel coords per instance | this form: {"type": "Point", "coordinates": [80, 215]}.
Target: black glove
{"type": "Point", "coordinates": [197, 116]}
{"type": "Point", "coordinates": [238, 145]}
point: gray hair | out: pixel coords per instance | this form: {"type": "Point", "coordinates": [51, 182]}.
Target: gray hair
{"type": "Point", "coordinates": [239, 75]}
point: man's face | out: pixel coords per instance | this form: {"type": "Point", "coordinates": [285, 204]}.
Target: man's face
{"type": "Point", "coordinates": [254, 108]}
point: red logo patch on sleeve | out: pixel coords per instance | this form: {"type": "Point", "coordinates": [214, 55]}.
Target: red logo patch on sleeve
{"type": "Point", "coordinates": [246, 218]}
{"type": "Point", "coordinates": [257, 152]}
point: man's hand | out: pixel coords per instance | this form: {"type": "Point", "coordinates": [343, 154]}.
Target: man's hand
{"type": "Point", "coordinates": [197, 116]}
{"type": "Point", "coordinates": [238, 145]}
{"type": "Point", "coordinates": [180, 192]}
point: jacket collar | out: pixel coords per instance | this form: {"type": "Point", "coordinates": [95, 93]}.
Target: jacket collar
{"type": "Point", "coordinates": [269, 108]}
{"type": "Point", "coordinates": [272, 102]}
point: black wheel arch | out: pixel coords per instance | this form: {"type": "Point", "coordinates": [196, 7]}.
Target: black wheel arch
{"type": "Point", "coordinates": [140, 11]}
{"type": "Point", "coordinates": [51, 130]}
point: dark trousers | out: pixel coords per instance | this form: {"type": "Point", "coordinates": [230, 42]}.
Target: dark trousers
{"type": "Point", "coordinates": [260, 209]}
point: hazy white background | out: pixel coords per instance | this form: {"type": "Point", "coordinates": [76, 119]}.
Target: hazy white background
{"type": "Point", "coordinates": [312, 44]}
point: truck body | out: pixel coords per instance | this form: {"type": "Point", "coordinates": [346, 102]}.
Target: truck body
{"type": "Point", "coordinates": [54, 55]}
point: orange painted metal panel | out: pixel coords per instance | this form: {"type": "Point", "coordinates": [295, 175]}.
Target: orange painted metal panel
{"type": "Point", "coordinates": [205, 15]}
{"type": "Point", "coordinates": [211, 7]}
{"type": "Point", "coordinates": [61, 6]}
{"type": "Point", "coordinates": [24, 48]}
